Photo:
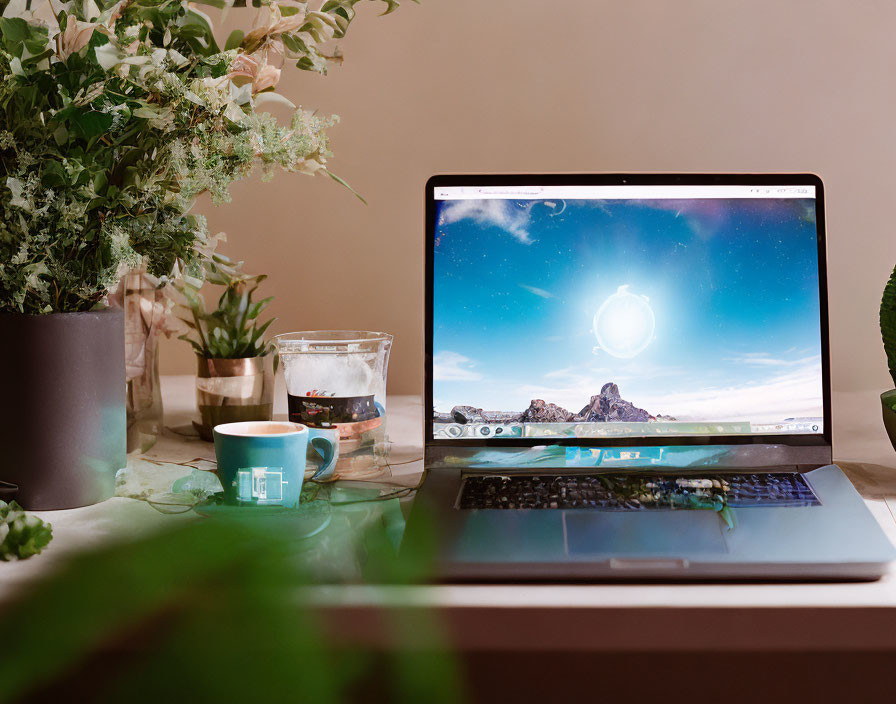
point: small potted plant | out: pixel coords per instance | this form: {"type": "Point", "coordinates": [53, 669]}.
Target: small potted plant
{"type": "Point", "coordinates": [234, 375]}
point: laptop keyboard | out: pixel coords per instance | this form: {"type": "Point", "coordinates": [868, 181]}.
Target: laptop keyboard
{"type": "Point", "coordinates": [635, 492]}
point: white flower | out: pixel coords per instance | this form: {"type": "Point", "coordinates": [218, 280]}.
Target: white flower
{"type": "Point", "coordinates": [76, 36]}
{"type": "Point", "coordinates": [268, 77]}
{"type": "Point", "coordinates": [108, 55]}
{"type": "Point", "coordinates": [269, 22]}
{"type": "Point", "coordinates": [275, 98]}
{"type": "Point", "coordinates": [15, 187]}
{"type": "Point", "coordinates": [261, 73]}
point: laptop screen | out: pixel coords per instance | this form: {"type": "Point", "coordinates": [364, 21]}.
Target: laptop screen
{"type": "Point", "coordinates": [625, 311]}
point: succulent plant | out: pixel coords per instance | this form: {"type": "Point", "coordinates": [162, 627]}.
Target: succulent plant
{"type": "Point", "coordinates": [232, 330]}
{"type": "Point", "coordinates": [21, 534]}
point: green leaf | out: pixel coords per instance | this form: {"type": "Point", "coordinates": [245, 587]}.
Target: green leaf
{"type": "Point", "coordinates": [196, 346]}
{"type": "Point", "coordinates": [90, 123]}
{"type": "Point", "coordinates": [37, 58]}
{"type": "Point", "coordinates": [217, 278]}
{"type": "Point", "coordinates": [295, 44]}
{"type": "Point", "coordinates": [194, 25]}
{"type": "Point", "coordinates": [258, 307]}
{"type": "Point", "coordinates": [307, 64]}
{"type": "Point", "coordinates": [234, 40]}
{"type": "Point", "coordinates": [53, 174]}
{"type": "Point", "coordinates": [148, 113]}
{"type": "Point", "coordinates": [727, 515]}
{"type": "Point", "coordinates": [15, 29]}
{"type": "Point", "coordinates": [100, 182]}
{"type": "Point", "coordinates": [259, 331]}
{"type": "Point", "coordinates": [37, 45]}
{"type": "Point", "coordinates": [60, 135]}
{"type": "Point", "coordinates": [341, 182]}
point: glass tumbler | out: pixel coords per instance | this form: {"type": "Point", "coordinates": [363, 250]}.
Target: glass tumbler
{"type": "Point", "coordinates": [336, 379]}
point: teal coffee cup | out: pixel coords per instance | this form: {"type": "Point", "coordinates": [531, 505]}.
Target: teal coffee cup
{"type": "Point", "coordinates": [263, 463]}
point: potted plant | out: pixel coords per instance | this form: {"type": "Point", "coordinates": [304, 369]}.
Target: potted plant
{"type": "Point", "coordinates": [116, 115]}
{"type": "Point", "coordinates": [888, 334]}
{"type": "Point", "coordinates": [234, 376]}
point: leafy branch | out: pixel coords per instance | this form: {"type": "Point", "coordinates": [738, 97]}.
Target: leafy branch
{"type": "Point", "coordinates": [115, 115]}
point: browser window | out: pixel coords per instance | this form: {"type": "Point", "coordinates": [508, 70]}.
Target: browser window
{"type": "Point", "coordinates": [625, 311]}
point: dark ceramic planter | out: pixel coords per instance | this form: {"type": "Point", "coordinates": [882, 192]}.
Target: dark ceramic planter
{"type": "Point", "coordinates": [62, 421]}
{"type": "Point", "coordinates": [887, 398]}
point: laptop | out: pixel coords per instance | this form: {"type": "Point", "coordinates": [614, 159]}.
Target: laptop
{"type": "Point", "coordinates": [628, 378]}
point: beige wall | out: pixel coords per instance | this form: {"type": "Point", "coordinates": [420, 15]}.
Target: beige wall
{"type": "Point", "coordinates": [575, 85]}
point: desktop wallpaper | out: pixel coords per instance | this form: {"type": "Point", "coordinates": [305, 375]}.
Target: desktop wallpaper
{"type": "Point", "coordinates": [696, 310]}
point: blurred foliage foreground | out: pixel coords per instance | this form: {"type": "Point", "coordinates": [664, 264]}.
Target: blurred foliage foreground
{"type": "Point", "coordinates": [217, 610]}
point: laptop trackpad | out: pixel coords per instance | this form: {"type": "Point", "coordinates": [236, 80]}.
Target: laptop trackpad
{"type": "Point", "coordinates": [673, 533]}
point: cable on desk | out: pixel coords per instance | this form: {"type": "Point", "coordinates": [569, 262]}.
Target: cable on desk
{"type": "Point", "coordinates": [400, 493]}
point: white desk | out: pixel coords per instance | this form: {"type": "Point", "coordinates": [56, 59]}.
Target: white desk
{"type": "Point", "coordinates": [704, 617]}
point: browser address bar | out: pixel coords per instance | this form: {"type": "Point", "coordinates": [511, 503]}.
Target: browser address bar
{"type": "Point", "coordinates": [624, 192]}
{"type": "Point", "coordinates": [531, 191]}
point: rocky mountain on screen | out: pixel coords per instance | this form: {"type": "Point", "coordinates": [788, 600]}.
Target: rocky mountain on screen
{"type": "Point", "coordinates": [606, 407]}
{"type": "Point", "coordinates": [471, 414]}
{"type": "Point", "coordinates": [609, 407]}
{"type": "Point", "coordinates": [467, 414]}
{"type": "Point", "coordinates": [541, 412]}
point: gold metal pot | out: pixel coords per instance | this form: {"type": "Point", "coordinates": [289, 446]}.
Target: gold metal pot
{"type": "Point", "coordinates": [233, 390]}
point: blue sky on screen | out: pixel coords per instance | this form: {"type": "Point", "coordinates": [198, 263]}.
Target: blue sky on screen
{"type": "Point", "coordinates": [700, 309]}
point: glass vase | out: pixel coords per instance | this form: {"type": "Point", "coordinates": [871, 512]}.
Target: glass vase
{"type": "Point", "coordinates": [145, 311]}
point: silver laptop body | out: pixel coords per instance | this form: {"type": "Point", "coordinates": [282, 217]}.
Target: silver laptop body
{"type": "Point", "coordinates": [628, 378]}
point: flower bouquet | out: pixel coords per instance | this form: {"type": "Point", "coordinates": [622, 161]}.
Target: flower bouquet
{"type": "Point", "coordinates": [115, 117]}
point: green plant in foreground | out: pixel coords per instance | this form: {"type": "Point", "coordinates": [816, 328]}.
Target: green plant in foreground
{"type": "Point", "coordinates": [21, 534]}
{"type": "Point", "coordinates": [222, 611]}
{"type": "Point", "coordinates": [232, 330]}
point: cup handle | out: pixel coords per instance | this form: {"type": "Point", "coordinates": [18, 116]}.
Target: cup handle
{"type": "Point", "coordinates": [326, 443]}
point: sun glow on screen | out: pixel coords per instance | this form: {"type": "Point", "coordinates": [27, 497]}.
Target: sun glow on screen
{"type": "Point", "coordinates": [624, 324]}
